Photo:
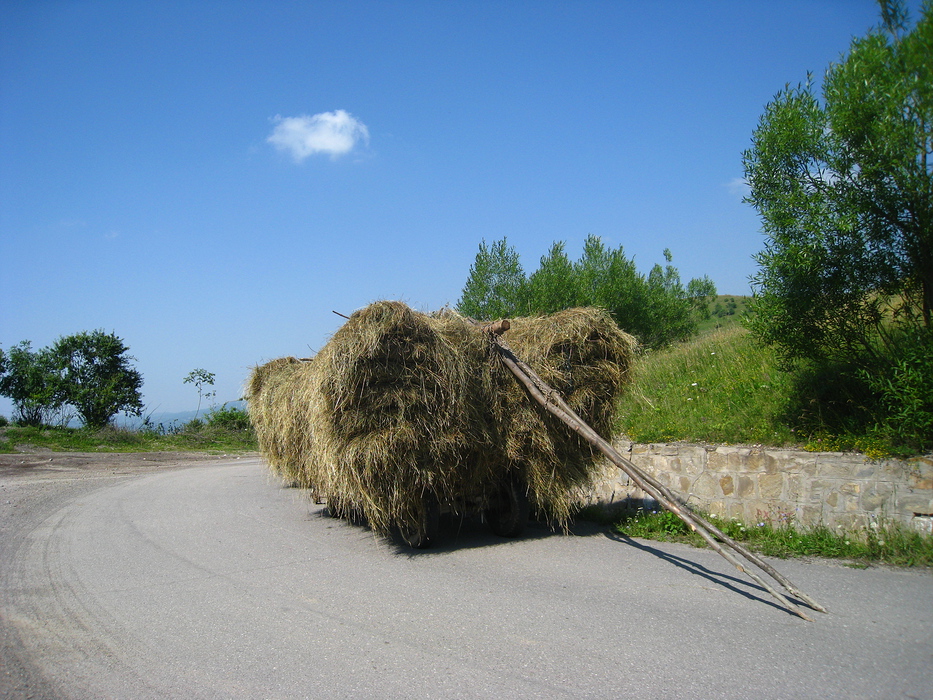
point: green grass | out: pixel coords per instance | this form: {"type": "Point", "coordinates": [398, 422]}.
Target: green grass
{"type": "Point", "coordinates": [888, 543]}
{"type": "Point", "coordinates": [200, 438]}
{"type": "Point", "coordinates": [721, 387]}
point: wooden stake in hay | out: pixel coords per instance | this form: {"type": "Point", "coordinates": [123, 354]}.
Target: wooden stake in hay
{"type": "Point", "coordinates": [400, 405]}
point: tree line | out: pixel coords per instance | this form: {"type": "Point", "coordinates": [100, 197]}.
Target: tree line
{"type": "Point", "coordinates": [656, 308]}
{"type": "Point", "coordinates": [89, 375]}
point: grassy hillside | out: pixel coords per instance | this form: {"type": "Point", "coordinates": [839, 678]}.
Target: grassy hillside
{"type": "Point", "coordinates": [720, 387]}
{"type": "Point", "coordinates": [723, 386]}
{"type": "Point", "coordinates": [726, 311]}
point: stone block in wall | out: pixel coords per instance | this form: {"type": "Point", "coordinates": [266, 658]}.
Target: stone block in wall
{"type": "Point", "coordinates": [758, 460]}
{"type": "Point", "coordinates": [726, 485]}
{"type": "Point", "coordinates": [770, 486]}
{"type": "Point", "coordinates": [820, 488]}
{"type": "Point", "coordinates": [735, 510]}
{"type": "Point", "coordinates": [917, 503]}
{"type": "Point", "coordinates": [921, 473]}
{"type": "Point", "coordinates": [837, 465]}
{"type": "Point", "coordinates": [876, 497]}
{"type": "Point", "coordinates": [850, 487]}
{"type": "Point", "coordinates": [849, 521]}
{"type": "Point", "coordinates": [745, 488]}
{"type": "Point", "coordinates": [727, 458]}
{"type": "Point", "coordinates": [810, 515]}
{"type": "Point", "coordinates": [922, 524]}
{"type": "Point", "coordinates": [705, 487]}
{"type": "Point", "coordinates": [805, 462]}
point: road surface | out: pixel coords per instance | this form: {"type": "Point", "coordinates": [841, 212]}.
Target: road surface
{"type": "Point", "coordinates": [208, 579]}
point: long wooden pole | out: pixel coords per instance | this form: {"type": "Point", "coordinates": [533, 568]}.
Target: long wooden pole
{"type": "Point", "coordinates": [552, 402]}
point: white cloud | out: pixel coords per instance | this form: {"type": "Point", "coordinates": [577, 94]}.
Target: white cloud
{"type": "Point", "coordinates": [334, 133]}
{"type": "Point", "coordinates": [738, 187]}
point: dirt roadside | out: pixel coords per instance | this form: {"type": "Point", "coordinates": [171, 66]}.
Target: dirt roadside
{"type": "Point", "coordinates": [40, 464]}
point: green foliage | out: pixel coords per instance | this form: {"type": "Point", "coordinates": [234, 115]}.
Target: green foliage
{"type": "Point", "coordinates": [193, 426]}
{"type": "Point", "coordinates": [725, 386]}
{"type": "Point", "coordinates": [905, 392]}
{"type": "Point", "coordinates": [93, 373]}
{"type": "Point", "coordinates": [553, 286]}
{"type": "Point", "coordinates": [657, 309]}
{"type": "Point", "coordinates": [201, 378]}
{"type": "Point", "coordinates": [888, 543]}
{"type": "Point", "coordinates": [230, 418]}
{"type": "Point", "coordinates": [27, 379]}
{"type": "Point", "coordinates": [844, 187]}
{"type": "Point", "coordinates": [496, 285]}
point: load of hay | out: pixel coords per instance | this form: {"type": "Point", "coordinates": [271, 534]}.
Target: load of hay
{"type": "Point", "coordinates": [401, 404]}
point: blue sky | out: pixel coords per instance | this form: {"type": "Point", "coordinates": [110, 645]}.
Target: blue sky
{"type": "Point", "coordinates": [210, 180]}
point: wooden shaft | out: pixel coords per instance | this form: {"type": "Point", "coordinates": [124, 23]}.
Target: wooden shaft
{"type": "Point", "coordinates": [551, 401]}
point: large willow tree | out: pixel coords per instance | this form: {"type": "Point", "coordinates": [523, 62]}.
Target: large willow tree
{"type": "Point", "coordinates": [843, 182]}
{"type": "Point", "coordinates": [844, 187]}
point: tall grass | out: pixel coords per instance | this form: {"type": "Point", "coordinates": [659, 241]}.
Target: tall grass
{"type": "Point", "coordinates": [721, 387]}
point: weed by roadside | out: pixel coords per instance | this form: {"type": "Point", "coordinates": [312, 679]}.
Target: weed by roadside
{"type": "Point", "coordinates": [887, 543]}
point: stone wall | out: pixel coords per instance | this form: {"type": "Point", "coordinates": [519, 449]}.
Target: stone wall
{"type": "Point", "coordinates": [759, 483]}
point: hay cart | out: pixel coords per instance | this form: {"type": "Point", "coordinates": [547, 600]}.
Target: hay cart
{"type": "Point", "coordinates": [403, 416]}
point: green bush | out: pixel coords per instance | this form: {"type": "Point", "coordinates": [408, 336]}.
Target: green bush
{"type": "Point", "coordinates": [230, 418]}
{"type": "Point", "coordinates": [4, 422]}
{"type": "Point", "coordinates": [905, 391]}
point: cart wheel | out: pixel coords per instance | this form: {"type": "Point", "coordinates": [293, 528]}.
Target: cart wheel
{"type": "Point", "coordinates": [333, 506]}
{"type": "Point", "coordinates": [425, 533]}
{"type": "Point", "coordinates": [509, 516]}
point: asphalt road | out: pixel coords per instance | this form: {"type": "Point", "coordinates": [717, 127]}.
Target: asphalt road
{"type": "Point", "coordinates": [210, 580]}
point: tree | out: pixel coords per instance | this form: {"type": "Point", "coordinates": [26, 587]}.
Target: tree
{"type": "Point", "coordinates": [672, 311]}
{"type": "Point", "coordinates": [27, 378]}
{"type": "Point", "coordinates": [96, 377]}
{"type": "Point", "coordinates": [657, 309]}
{"type": "Point", "coordinates": [844, 187]}
{"type": "Point", "coordinates": [496, 285]}
{"type": "Point", "coordinates": [553, 286]}
{"type": "Point", "coordinates": [200, 378]}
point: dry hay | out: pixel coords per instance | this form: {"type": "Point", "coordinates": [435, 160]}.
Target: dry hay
{"type": "Point", "coordinates": [281, 401]}
{"type": "Point", "coordinates": [399, 404]}
{"type": "Point", "coordinates": [582, 354]}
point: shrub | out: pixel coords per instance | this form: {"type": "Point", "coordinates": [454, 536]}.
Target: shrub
{"type": "Point", "coordinates": [193, 426]}
{"type": "Point", "coordinates": [230, 418]}
{"type": "Point", "coordinates": [906, 392]}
